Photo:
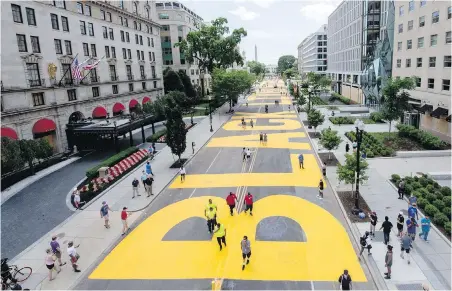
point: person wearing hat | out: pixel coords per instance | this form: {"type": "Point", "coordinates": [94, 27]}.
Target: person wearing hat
{"type": "Point", "coordinates": [373, 222]}
{"type": "Point", "coordinates": [72, 252]}
{"type": "Point", "coordinates": [388, 262]}
{"type": "Point", "coordinates": [124, 216]}
{"type": "Point", "coordinates": [400, 223]}
{"type": "Point", "coordinates": [104, 213]}
{"type": "Point", "coordinates": [56, 249]}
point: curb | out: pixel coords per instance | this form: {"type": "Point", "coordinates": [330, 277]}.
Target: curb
{"type": "Point", "coordinates": [367, 262]}
{"type": "Point", "coordinates": [422, 215]}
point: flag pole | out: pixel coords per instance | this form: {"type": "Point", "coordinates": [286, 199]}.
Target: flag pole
{"type": "Point", "coordinates": [70, 67]}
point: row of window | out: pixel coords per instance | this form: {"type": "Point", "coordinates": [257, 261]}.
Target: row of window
{"type": "Point", "coordinates": [410, 6]}
{"type": "Point", "coordinates": [125, 37]}
{"type": "Point", "coordinates": [431, 84]}
{"type": "Point", "coordinates": [420, 41]}
{"type": "Point", "coordinates": [17, 14]}
{"type": "Point", "coordinates": [39, 100]}
{"type": "Point", "coordinates": [447, 61]}
{"type": "Point", "coordinates": [421, 20]}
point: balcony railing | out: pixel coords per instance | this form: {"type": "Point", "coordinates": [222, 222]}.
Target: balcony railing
{"type": "Point", "coordinates": [114, 78]}
{"type": "Point", "coordinates": [129, 77]}
{"type": "Point", "coordinates": [143, 76]}
{"type": "Point", "coordinates": [95, 79]}
{"type": "Point", "coordinates": [37, 82]}
{"type": "Point", "coordinates": [154, 76]}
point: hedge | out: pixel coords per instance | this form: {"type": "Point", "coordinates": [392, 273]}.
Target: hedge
{"type": "Point", "coordinates": [156, 136]}
{"type": "Point", "coordinates": [371, 145]}
{"type": "Point", "coordinates": [315, 100]}
{"type": "Point", "coordinates": [425, 139]}
{"type": "Point", "coordinates": [345, 100]}
{"type": "Point", "coordinates": [349, 120]}
{"type": "Point", "coordinates": [376, 116]}
{"type": "Point", "coordinates": [111, 161]}
{"type": "Point", "coordinates": [432, 199]}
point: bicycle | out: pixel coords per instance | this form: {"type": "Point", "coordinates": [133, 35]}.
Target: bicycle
{"type": "Point", "coordinates": [13, 271]}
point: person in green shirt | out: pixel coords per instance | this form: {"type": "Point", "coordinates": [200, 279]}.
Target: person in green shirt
{"type": "Point", "coordinates": [220, 234]}
{"type": "Point", "coordinates": [210, 215]}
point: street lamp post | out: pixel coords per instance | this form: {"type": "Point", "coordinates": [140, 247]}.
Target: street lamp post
{"type": "Point", "coordinates": [309, 102]}
{"type": "Point", "coordinates": [210, 113]}
{"type": "Point", "coordinates": [359, 125]}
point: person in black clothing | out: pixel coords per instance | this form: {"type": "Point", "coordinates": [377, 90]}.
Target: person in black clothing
{"type": "Point", "coordinates": [148, 185]}
{"type": "Point", "coordinates": [386, 226]}
{"type": "Point", "coordinates": [400, 223]}
{"type": "Point", "coordinates": [320, 196]}
{"type": "Point", "coordinates": [373, 222]}
{"type": "Point", "coordinates": [13, 285]}
{"type": "Point", "coordinates": [346, 281]}
{"type": "Point", "coordinates": [347, 148]}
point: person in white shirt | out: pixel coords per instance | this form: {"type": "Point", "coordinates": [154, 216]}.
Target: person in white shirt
{"type": "Point", "coordinates": [248, 154]}
{"type": "Point", "coordinates": [72, 252]}
{"type": "Point", "coordinates": [182, 174]}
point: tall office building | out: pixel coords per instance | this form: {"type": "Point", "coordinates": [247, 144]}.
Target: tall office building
{"type": "Point", "coordinates": [312, 52]}
{"type": "Point", "coordinates": [423, 49]}
{"type": "Point", "coordinates": [177, 21]}
{"type": "Point", "coordinates": [40, 40]}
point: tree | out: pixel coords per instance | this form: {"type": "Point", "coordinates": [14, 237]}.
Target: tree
{"type": "Point", "coordinates": [395, 98]}
{"type": "Point", "coordinates": [330, 140]}
{"type": "Point", "coordinates": [213, 46]}
{"type": "Point", "coordinates": [172, 81]}
{"type": "Point", "coordinates": [257, 68]}
{"type": "Point", "coordinates": [318, 81]}
{"type": "Point", "coordinates": [230, 84]}
{"type": "Point", "coordinates": [190, 92]}
{"type": "Point", "coordinates": [43, 149]}
{"type": "Point", "coordinates": [346, 172]}
{"type": "Point", "coordinates": [284, 63]}
{"type": "Point", "coordinates": [290, 73]}
{"type": "Point", "coordinates": [11, 156]}
{"type": "Point", "coordinates": [315, 118]}
{"type": "Point", "coordinates": [176, 134]}
{"type": "Point", "coordinates": [28, 149]}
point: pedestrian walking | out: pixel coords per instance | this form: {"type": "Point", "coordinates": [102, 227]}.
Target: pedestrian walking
{"type": "Point", "coordinates": [244, 154]}
{"type": "Point", "coordinates": [388, 262]}
{"type": "Point", "coordinates": [289, 108]}
{"type": "Point", "coordinates": [412, 199]}
{"type": "Point", "coordinates": [220, 234]}
{"type": "Point", "coordinates": [301, 160]}
{"type": "Point", "coordinates": [354, 145]}
{"type": "Point", "coordinates": [249, 203]}
{"type": "Point", "coordinates": [265, 139]}
{"type": "Point", "coordinates": [412, 211]}
{"type": "Point", "coordinates": [193, 147]}
{"type": "Point", "coordinates": [210, 204]}
{"type": "Point", "coordinates": [144, 176]}
{"type": "Point", "coordinates": [182, 174]}
{"type": "Point", "coordinates": [124, 216]}
{"type": "Point", "coordinates": [365, 243]}
{"type": "Point", "coordinates": [347, 148]}
{"type": "Point", "coordinates": [55, 246]}
{"type": "Point", "coordinates": [50, 263]}
{"type": "Point", "coordinates": [400, 223]}
{"type": "Point", "coordinates": [231, 200]}
{"type": "Point", "coordinates": [149, 169]}
{"type": "Point", "coordinates": [261, 138]}
{"type": "Point", "coordinates": [73, 255]}
{"type": "Point", "coordinates": [148, 185]}
{"type": "Point", "coordinates": [320, 196]}
{"type": "Point", "coordinates": [386, 226]}
{"type": "Point", "coordinates": [411, 225]}
{"type": "Point", "coordinates": [248, 154]}
{"type": "Point", "coordinates": [324, 170]}
{"type": "Point", "coordinates": [151, 151]}
{"type": "Point", "coordinates": [210, 216]}
{"type": "Point", "coordinates": [373, 222]}
{"type": "Point", "coordinates": [245, 245]}
{"type": "Point", "coordinates": [252, 123]}
{"type": "Point", "coordinates": [345, 280]}
{"type": "Point", "coordinates": [425, 227]}
{"type": "Point", "coordinates": [406, 246]}
{"type": "Point", "coordinates": [135, 186]}
{"type": "Point", "coordinates": [401, 189]}
{"type": "Point", "coordinates": [104, 213]}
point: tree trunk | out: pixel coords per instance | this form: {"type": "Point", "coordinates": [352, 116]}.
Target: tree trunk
{"type": "Point", "coordinates": [390, 122]}
{"type": "Point", "coordinates": [329, 155]}
{"type": "Point", "coordinates": [32, 169]}
{"type": "Point", "coordinates": [180, 165]}
{"type": "Point", "coordinates": [230, 104]}
{"type": "Point", "coordinates": [191, 117]}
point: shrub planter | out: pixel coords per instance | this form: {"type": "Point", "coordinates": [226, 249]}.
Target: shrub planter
{"type": "Point", "coordinates": [178, 164]}
{"type": "Point", "coordinates": [348, 201]}
{"type": "Point", "coordinates": [432, 199]}
{"type": "Point", "coordinates": [329, 159]}
{"type": "Point", "coordinates": [98, 185]}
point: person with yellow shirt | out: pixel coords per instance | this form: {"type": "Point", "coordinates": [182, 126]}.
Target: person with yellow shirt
{"type": "Point", "coordinates": [208, 206]}
{"type": "Point", "coordinates": [220, 234]}
{"type": "Point", "coordinates": [211, 219]}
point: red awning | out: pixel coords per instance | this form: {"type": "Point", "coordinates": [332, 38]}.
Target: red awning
{"type": "Point", "coordinates": [133, 103]}
{"type": "Point", "coordinates": [146, 99]}
{"type": "Point", "coordinates": [8, 132]}
{"type": "Point", "coordinates": [43, 125]}
{"type": "Point", "coordinates": [99, 112]}
{"type": "Point", "coordinates": [118, 107]}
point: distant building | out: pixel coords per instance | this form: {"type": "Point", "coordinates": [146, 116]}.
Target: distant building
{"type": "Point", "coordinates": [271, 70]}
{"type": "Point", "coordinates": [312, 52]}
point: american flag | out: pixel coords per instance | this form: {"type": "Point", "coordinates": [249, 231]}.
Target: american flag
{"type": "Point", "coordinates": [76, 73]}
{"type": "Point", "coordinates": [89, 67]}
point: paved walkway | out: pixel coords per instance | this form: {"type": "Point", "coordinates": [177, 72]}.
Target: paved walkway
{"type": "Point", "coordinates": [86, 227]}
{"type": "Point", "coordinates": [431, 262]}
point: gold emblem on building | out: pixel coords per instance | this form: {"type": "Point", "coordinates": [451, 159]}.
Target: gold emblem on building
{"type": "Point", "coordinates": [52, 68]}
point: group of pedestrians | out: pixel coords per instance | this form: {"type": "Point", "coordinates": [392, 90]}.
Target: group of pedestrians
{"type": "Point", "coordinates": [53, 256]}
{"type": "Point", "coordinates": [263, 138]}
{"type": "Point", "coordinates": [406, 237]}
{"type": "Point", "coordinates": [147, 179]}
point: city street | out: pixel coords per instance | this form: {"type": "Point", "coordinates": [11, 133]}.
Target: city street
{"type": "Point", "coordinates": [297, 240]}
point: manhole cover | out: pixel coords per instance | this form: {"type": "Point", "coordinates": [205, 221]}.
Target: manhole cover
{"type": "Point", "coordinates": [414, 286]}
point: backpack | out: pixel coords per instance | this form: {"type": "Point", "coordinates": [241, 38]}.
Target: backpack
{"type": "Point", "coordinates": [73, 200]}
{"type": "Point", "coordinates": [135, 183]}
{"type": "Point", "coordinates": [362, 241]}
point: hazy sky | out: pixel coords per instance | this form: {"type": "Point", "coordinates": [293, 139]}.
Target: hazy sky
{"type": "Point", "coordinates": [277, 27]}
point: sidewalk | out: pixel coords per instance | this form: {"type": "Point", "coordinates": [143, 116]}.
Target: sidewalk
{"type": "Point", "coordinates": [86, 227]}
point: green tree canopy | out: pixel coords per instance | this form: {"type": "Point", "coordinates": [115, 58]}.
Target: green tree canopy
{"type": "Point", "coordinates": [11, 155]}
{"type": "Point", "coordinates": [285, 62]}
{"type": "Point", "coordinates": [176, 135]}
{"type": "Point", "coordinates": [188, 86]}
{"type": "Point", "coordinates": [290, 73]}
{"type": "Point", "coordinates": [315, 118]}
{"type": "Point", "coordinates": [346, 172]}
{"type": "Point", "coordinates": [395, 98]}
{"type": "Point", "coordinates": [317, 81]}
{"type": "Point", "coordinates": [256, 68]}
{"type": "Point", "coordinates": [330, 140]}
{"type": "Point", "coordinates": [172, 81]}
{"type": "Point", "coordinates": [213, 46]}
{"type": "Point", "coordinates": [230, 84]}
